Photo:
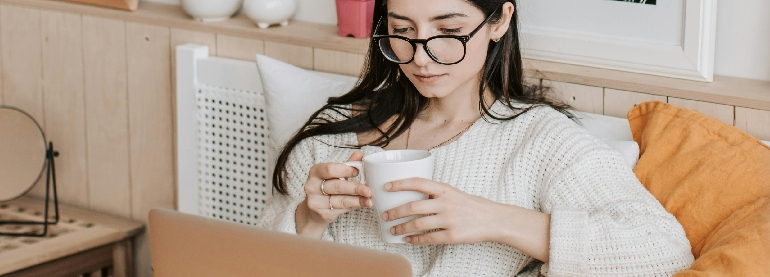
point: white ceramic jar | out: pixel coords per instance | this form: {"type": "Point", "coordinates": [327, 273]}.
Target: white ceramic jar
{"type": "Point", "coordinates": [211, 10]}
{"type": "Point", "coordinates": [267, 12]}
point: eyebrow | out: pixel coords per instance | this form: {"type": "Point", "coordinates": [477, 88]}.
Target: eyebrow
{"type": "Point", "coordinates": [435, 18]}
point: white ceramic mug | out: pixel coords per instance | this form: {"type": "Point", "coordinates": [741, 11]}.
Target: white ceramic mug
{"type": "Point", "coordinates": [383, 167]}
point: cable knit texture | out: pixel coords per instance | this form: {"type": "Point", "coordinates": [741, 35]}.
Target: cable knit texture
{"type": "Point", "coordinates": [603, 221]}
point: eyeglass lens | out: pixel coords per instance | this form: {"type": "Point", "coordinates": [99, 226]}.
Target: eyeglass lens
{"type": "Point", "coordinates": [442, 50]}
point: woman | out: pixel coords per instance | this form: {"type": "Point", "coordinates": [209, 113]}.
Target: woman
{"type": "Point", "coordinates": [517, 183]}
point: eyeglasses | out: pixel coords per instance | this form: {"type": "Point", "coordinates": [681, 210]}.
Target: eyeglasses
{"type": "Point", "coordinates": [443, 49]}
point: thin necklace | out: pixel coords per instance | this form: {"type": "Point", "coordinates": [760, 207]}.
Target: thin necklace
{"type": "Point", "coordinates": [409, 134]}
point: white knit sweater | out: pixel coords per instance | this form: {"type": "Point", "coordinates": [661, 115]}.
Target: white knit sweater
{"type": "Point", "coordinates": [603, 221]}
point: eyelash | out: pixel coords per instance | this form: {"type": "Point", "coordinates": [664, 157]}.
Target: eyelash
{"type": "Point", "coordinates": [451, 31]}
{"type": "Point", "coordinates": [446, 31]}
{"type": "Point", "coordinates": [401, 30]}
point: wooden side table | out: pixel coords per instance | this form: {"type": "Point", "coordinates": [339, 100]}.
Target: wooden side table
{"type": "Point", "coordinates": [83, 243]}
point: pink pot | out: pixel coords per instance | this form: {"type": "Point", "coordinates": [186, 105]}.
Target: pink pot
{"type": "Point", "coordinates": [354, 18]}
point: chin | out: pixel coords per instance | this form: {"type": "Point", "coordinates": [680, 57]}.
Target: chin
{"type": "Point", "coordinates": [433, 90]}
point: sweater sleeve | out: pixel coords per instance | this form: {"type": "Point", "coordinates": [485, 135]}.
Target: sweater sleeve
{"type": "Point", "coordinates": [604, 222]}
{"type": "Point", "coordinates": [280, 209]}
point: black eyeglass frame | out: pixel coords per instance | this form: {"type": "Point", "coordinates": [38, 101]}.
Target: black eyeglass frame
{"type": "Point", "coordinates": [463, 39]}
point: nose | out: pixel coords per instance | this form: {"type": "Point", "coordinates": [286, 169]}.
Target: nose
{"type": "Point", "coordinates": [421, 57]}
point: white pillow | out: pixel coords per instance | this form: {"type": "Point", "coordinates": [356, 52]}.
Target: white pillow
{"type": "Point", "coordinates": [614, 131]}
{"type": "Point", "coordinates": [606, 127]}
{"type": "Point", "coordinates": [628, 149]}
{"type": "Point", "coordinates": [292, 95]}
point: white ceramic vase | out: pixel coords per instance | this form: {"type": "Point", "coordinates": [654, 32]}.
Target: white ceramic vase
{"type": "Point", "coordinates": [211, 10]}
{"type": "Point", "coordinates": [267, 12]}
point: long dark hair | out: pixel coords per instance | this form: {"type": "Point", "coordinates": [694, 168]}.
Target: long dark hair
{"type": "Point", "coordinates": [383, 92]}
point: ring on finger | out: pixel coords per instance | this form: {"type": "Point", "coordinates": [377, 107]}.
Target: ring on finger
{"type": "Point", "coordinates": [322, 187]}
{"type": "Point", "coordinates": [330, 203]}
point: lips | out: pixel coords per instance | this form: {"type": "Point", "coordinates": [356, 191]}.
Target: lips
{"type": "Point", "coordinates": [428, 78]}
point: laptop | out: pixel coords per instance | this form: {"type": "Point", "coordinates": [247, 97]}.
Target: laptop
{"type": "Point", "coordinates": [189, 245]}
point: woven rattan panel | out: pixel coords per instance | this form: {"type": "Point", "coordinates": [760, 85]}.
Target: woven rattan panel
{"type": "Point", "coordinates": [233, 139]}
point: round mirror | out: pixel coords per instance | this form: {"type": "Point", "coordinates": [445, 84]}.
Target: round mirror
{"type": "Point", "coordinates": [22, 152]}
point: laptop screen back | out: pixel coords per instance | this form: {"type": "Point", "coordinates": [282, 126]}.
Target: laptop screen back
{"type": "Point", "coordinates": [189, 245]}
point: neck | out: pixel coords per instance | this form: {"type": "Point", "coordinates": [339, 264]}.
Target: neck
{"type": "Point", "coordinates": [456, 107]}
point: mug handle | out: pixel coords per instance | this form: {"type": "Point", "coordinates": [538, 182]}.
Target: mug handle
{"type": "Point", "coordinates": [358, 165]}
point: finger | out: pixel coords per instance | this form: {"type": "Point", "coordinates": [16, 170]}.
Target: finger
{"type": "Point", "coordinates": [357, 156]}
{"type": "Point", "coordinates": [438, 237]}
{"type": "Point", "coordinates": [327, 171]}
{"type": "Point", "coordinates": [417, 184]}
{"type": "Point", "coordinates": [337, 186]}
{"type": "Point", "coordinates": [349, 202]}
{"type": "Point", "coordinates": [329, 215]}
{"type": "Point", "coordinates": [421, 207]}
{"type": "Point", "coordinates": [420, 224]}
{"type": "Point", "coordinates": [318, 202]}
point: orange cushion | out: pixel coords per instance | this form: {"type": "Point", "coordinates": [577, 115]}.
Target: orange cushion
{"type": "Point", "coordinates": [699, 168]}
{"type": "Point", "coordinates": [739, 246]}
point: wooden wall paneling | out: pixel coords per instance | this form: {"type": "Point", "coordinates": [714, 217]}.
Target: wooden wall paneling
{"type": "Point", "coordinates": [580, 97]}
{"type": "Point", "coordinates": [338, 62]}
{"type": "Point", "coordinates": [22, 66]}
{"type": "Point", "coordinates": [150, 128]}
{"type": "Point", "coordinates": [1, 62]}
{"type": "Point", "coordinates": [150, 120]}
{"type": "Point", "coordinates": [537, 83]}
{"type": "Point", "coordinates": [239, 47]}
{"type": "Point", "coordinates": [182, 36]}
{"type": "Point", "coordinates": [754, 122]}
{"type": "Point", "coordinates": [532, 81]}
{"type": "Point", "coordinates": [301, 56]}
{"type": "Point", "coordinates": [64, 102]}
{"type": "Point", "coordinates": [617, 103]}
{"type": "Point", "coordinates": [726, 90]}
{"type": "Point", "coordinates": [104, 48]}
{"type": "Point", "coordinates": [724, 113]}
{"type": "Point", "coordinates": [22, 59]}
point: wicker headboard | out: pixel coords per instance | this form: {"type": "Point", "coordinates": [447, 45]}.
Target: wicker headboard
{"type": "Point", "coordinates": [222, 136]}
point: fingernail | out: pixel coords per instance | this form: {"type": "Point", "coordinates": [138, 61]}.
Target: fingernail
{"type": "Point", "coordinates": [368, 192]}
{"type": "Point", "coordinates": [392, 230]}
{"type": "Point", "coordinates": [388, 186]}
{"type": "Point", "coordinates": [385, 216]}
{"type": "Point", "coordinates": [408, 239]}
{"type": "Point", "coordinates": [369, 203]}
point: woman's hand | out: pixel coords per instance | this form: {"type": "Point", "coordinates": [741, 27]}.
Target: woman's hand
{"type": "Point", "coordinates": [339, 196]}
{"type": "Point", "coordinates": [459, 218]}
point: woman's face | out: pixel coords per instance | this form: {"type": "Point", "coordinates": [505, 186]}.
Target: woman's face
{"type": "Point", "coordinates": [421, 19]}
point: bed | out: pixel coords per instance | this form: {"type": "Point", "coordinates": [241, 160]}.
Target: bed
{"type": "Point", "coordinates": [224, 158]}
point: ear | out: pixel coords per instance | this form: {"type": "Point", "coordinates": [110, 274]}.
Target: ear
{"type": "Point", "coordinates": [498, 30]}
